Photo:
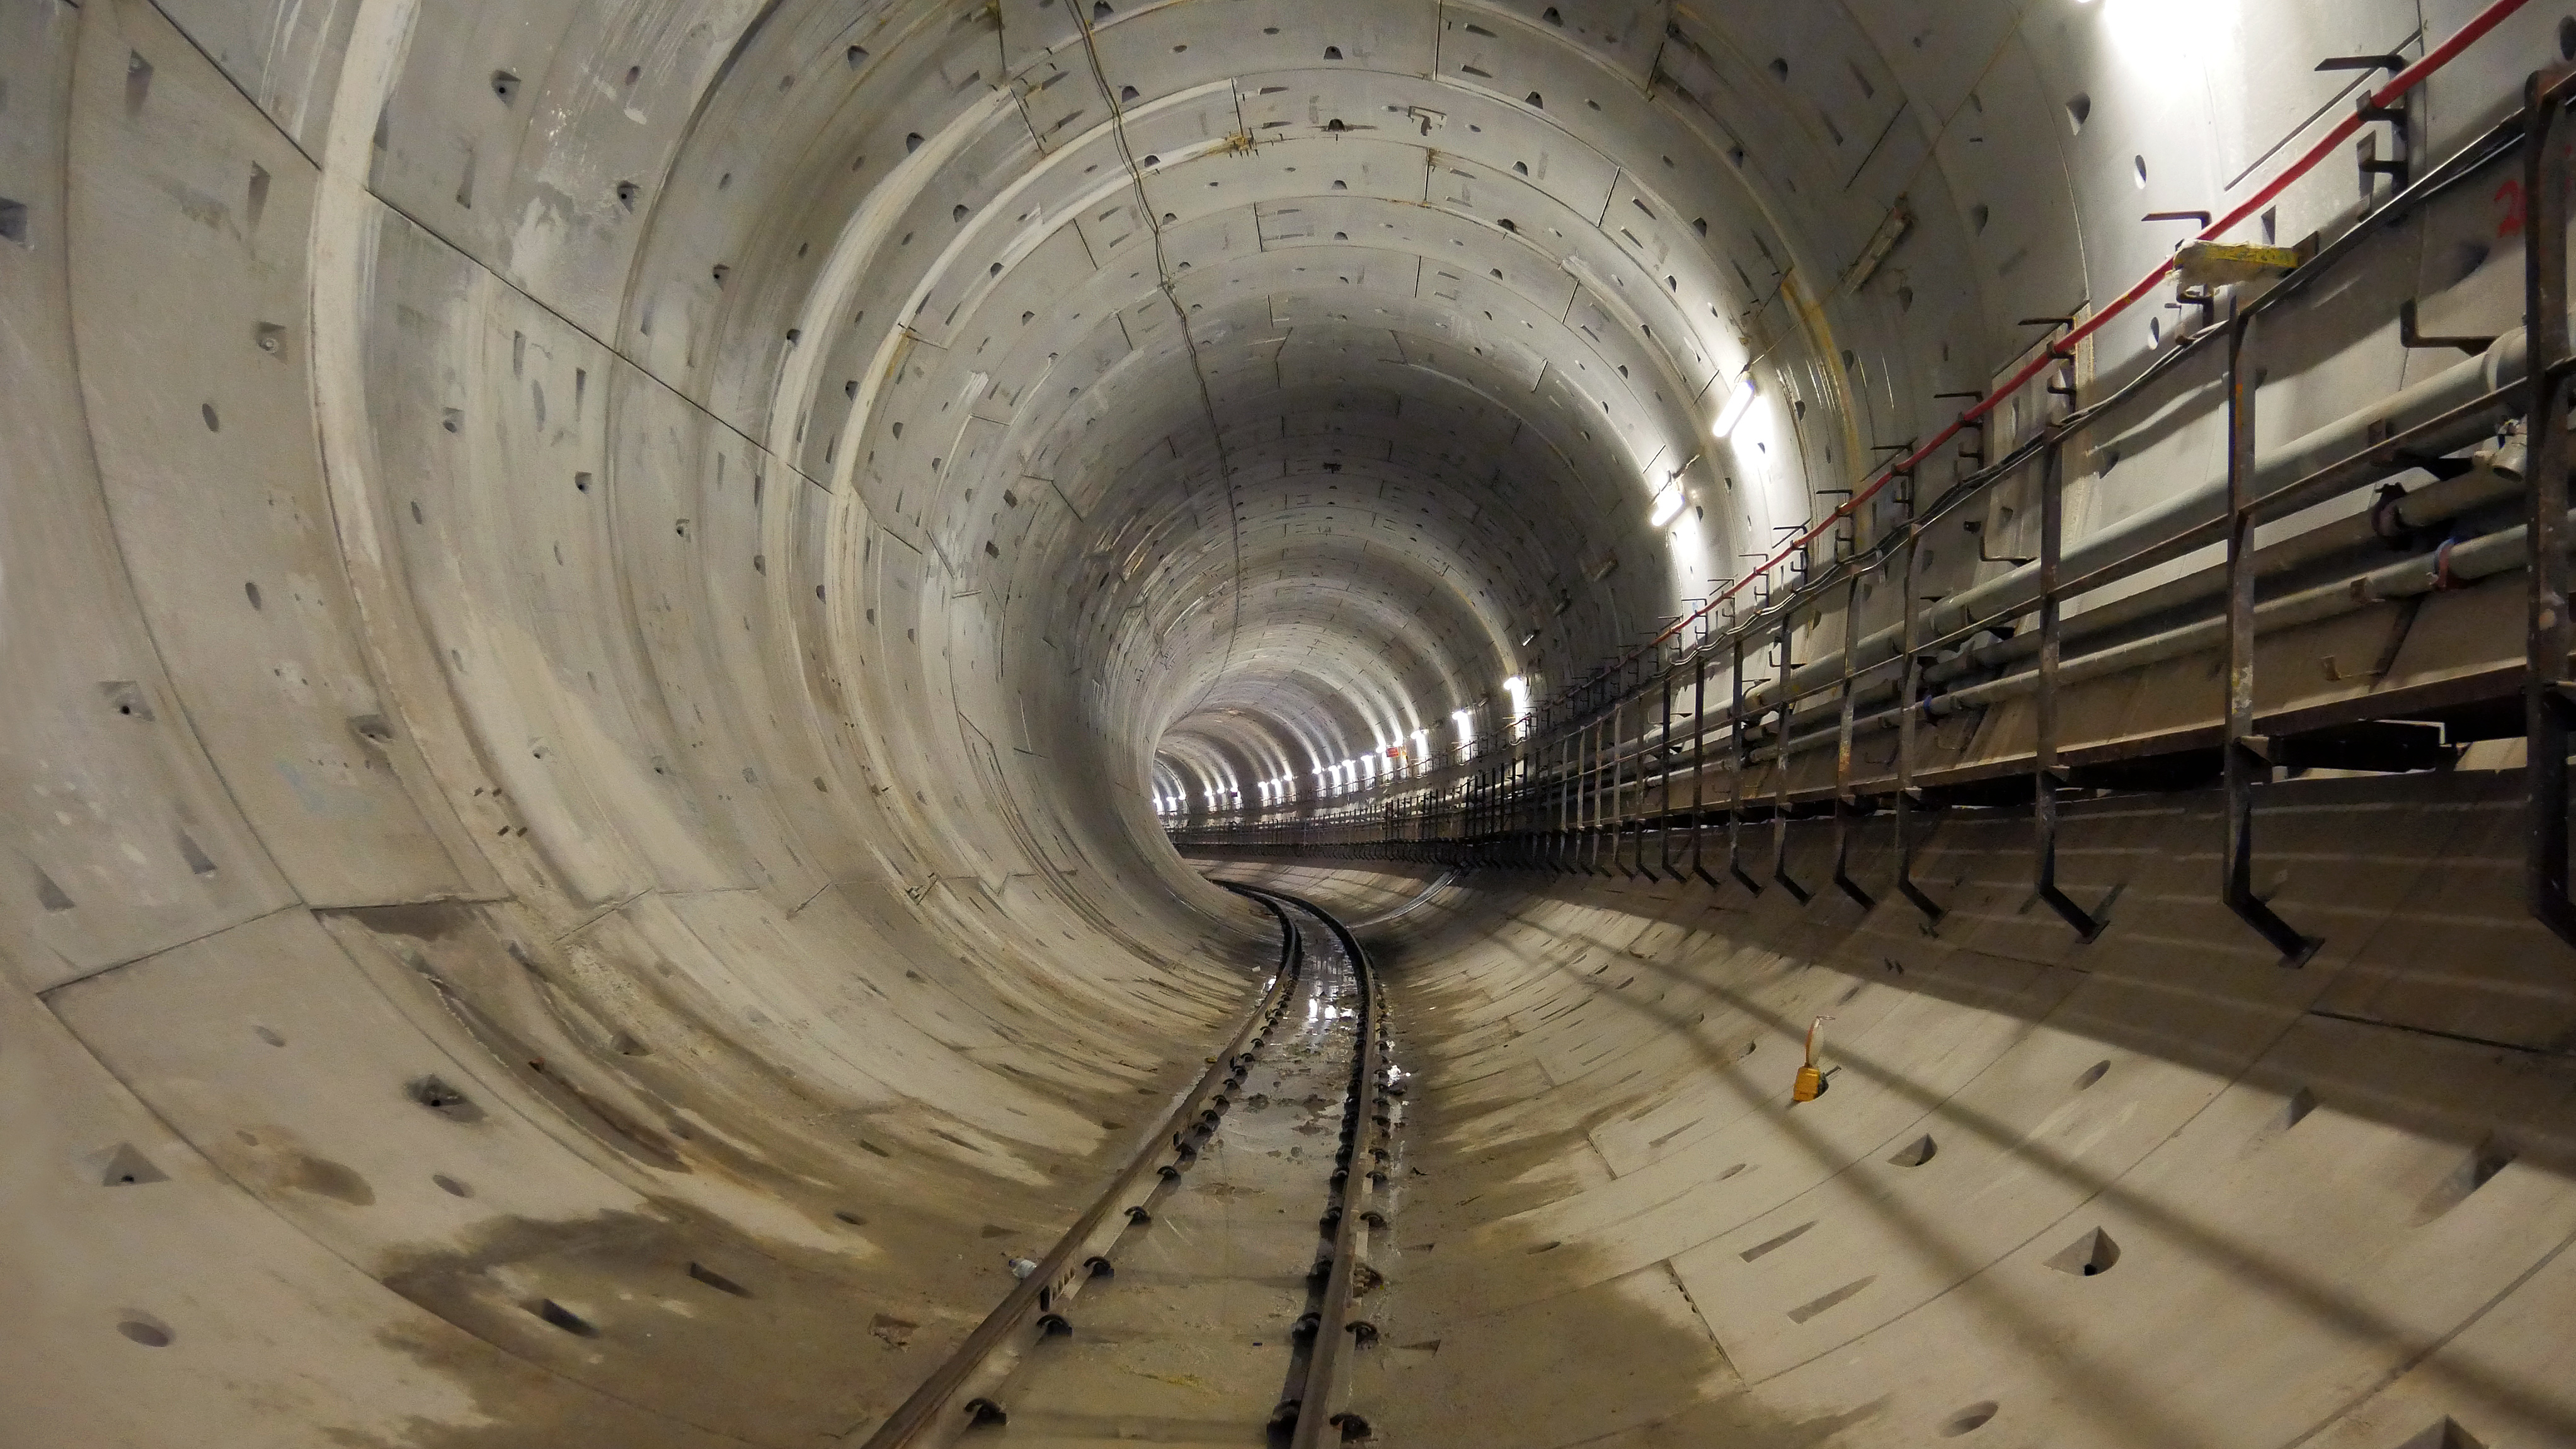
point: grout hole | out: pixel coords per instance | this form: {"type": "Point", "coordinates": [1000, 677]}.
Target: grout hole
{"type": "Point", "coordinates": [2079, 109]}
{"type": "Point", "coordinates": [269, 1035]}
{"type": "Point", "coordinates": [13, 221]}
{"type": "Point", "coordinates": [450, 1186]}
{"type": "Point", "coordinates": [214, 424]}
{"type": "Point", "coordinates": [2091, 1074]}
{"type": "Point", "coordinates": [146, 1332]}
{"type": "Point", "coordinates": [853, 1219]}
{"type": "Point", "coordinates": [127, 1167]}
{"type": "Point", "coordinates": [1915, 1153]}
{"type": "Point", "coordinates": [445, 1100]}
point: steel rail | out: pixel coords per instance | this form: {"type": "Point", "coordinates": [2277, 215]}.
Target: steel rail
{"type": "Point", "coordinates": [1360, 1169]}
{"type": "Point", "coordinates": [931, 1404]}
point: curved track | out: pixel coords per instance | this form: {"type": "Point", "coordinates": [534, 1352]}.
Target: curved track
{"type": "Point", "coordinates": [1220, 1279]}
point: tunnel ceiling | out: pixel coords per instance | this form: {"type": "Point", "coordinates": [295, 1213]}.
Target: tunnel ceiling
{"type": "Point", "coordinates": [1284, 367]}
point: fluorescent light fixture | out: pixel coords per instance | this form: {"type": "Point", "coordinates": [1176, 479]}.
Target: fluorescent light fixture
{"type": "Point", "coordinates": [1738, 403]}
{"type": "Point", "coordinates": [1668, 504]}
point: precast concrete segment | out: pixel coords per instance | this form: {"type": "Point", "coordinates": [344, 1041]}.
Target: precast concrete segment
{"type": "Point", "coordinates": [593, 594]}
{"type": "Point", "coordinates": [2148, 1190]}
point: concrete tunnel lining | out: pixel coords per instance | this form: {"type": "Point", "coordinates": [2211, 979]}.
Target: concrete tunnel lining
{"type": "Point", "coordinates": [600, 596]}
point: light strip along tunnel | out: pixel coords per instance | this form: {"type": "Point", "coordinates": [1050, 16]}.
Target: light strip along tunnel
{"type": "Point", "coordinates": [632, 628]}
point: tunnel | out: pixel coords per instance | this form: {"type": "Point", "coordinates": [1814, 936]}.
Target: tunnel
{"type": "Point", "coordinates": [737, 723]}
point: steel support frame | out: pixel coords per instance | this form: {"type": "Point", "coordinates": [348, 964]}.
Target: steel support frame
{"type": "Point", "coordinates": [1780, 767]}
{"type": "Point", "coordinates": [2549, 703]}
{"type": "Point", "coordinates": [2246, 757]}
{"type": "Point", "coordinates": [2045, 782]}
{"type": "Point", "coordinates": [1664, 772]}
{"type": "Point", "coordinates": [1910, 701]}
{"type": "Point", "coordinates": [1847, 811]}
{"type": "Point", "coordinates": [1699, 757]}
{"type": "Point", "coordinates": [1743, 767]}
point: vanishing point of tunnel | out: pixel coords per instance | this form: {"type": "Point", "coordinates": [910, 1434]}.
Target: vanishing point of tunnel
{"type": "Point", "coordinates": [758, 724]}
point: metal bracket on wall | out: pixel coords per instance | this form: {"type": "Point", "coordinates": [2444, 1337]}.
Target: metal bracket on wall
{"type": "Point", "coordinates": [2366, 150]}
{"type": "Point", "coordinates": [1975, 456]}
{"type": "Point", "coordinates": [2409, 336]}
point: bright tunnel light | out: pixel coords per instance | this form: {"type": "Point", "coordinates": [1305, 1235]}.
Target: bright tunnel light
{"type": "Point", "coordinates": [1668, 503]}
{"type": "Point", "coordinates": [1738, 403]}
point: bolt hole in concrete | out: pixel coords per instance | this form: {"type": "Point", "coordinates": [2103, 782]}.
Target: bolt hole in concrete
{"type": "Point", "coordinates": [717, 1281]}
{"type": "Point", "coordinates": [147, 1331]}
{"type": "Point", "coordinates": [1915, 1153]}
{"type": "Point", "coordinates": [564, 1318]}
{"type": "Point", "coordinates": [2475, 1171]}
{"type": "Point", "coordinates": [1968, 1420]}
{"type": "Point", "coordinates": [2445, 1433]}
{"type": "Point", "coordinates": [2088, 1256]}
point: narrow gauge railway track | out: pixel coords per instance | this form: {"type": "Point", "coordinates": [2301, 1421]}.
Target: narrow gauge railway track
{"type": "Point", "coordinates": [1221, 1308]}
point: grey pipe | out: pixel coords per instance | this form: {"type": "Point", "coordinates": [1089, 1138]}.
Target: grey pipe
{"type": "Point", "coordinates": [2470, 560]}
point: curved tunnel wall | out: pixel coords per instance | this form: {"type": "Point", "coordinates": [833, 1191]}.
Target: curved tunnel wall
{"type": "Point", "coordinates": [596, 593]}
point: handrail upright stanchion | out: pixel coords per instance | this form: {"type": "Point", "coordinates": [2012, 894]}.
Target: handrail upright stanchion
{"type": "Point", "coordinates": [1846, 808]}
{"type": "Point", "coordinates": [2549, 705]}
{"type": "Point", "coordinates": [1589, 821]}
{"type": "Point", "coordinates": [1909, 703]}
{"type": "Point", "coordinates": [1780, 761]}
{"type": "Point", "coordinates": [1743, 766]}
{"type": "Point", "coordinates": [2246, 757]}
{"type": "Point", "coordinates": [2044, 779]}
{"type": "Point", "coordinates": [1699, 756]}
{"type": "Point", "coordinates": [1664, 770]}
